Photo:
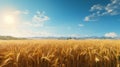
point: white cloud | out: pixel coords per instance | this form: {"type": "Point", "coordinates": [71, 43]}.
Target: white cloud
{"type": "Point", "coordinates": [18, 12]}
{"type": "Point", "coordinates": [87, 18]}
{"type": "Point", "coordinates": [113, 7]}
{"type": "Point", "coordinates": [111, 34]}
{"type": "Point", "coordinates": [80, 25]}
{"type": "Point", "coordinates": [96, 7]}
{"type": "Point", "coordinates": [91, 17]}
{"type": "Point", "coordinates": [40, 18]}
{"type": "Point", "coordinates": [98, 10]}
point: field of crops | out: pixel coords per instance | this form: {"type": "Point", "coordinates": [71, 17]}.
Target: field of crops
{"type": "Point", "coordinates": [59, 53]}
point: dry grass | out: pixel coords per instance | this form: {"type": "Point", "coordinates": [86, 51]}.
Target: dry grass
{"type": "Point", "coordinates": [60, 53]}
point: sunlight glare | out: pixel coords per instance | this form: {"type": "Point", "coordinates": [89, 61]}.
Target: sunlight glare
{"type": "Point", "coordinates": [9, 19]}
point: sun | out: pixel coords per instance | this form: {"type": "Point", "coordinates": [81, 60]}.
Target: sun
{"type": "Point", "coordinates": [9, 19]}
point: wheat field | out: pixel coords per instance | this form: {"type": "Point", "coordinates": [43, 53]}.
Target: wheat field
{"type": "Point", "coordinates": [59, 53]}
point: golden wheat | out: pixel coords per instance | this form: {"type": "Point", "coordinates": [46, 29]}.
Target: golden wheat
{"type": "Point", "coordinates": [59, 53]}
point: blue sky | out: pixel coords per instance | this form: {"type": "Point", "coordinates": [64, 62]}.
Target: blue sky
{"type": "Point", "coordinates": [77, 18]}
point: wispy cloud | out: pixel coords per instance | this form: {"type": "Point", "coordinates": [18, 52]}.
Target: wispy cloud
{"type": "Point", "coordinates": [91, 17]}
{"type": "Point", "coordinates": [111, 34]}
{"type": "Point", "coordinates": [98, 10]}
{"type": "Point", "coordinates": [80, 25]}
{"type": "Point", "coordinates": [39, 18]}
{"type": "Point", "coordinates": [96, 7]}
{"type": "Point", "coordinates": [18, 12]}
